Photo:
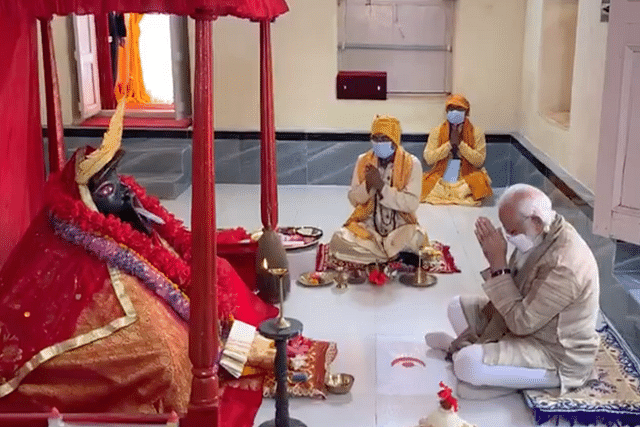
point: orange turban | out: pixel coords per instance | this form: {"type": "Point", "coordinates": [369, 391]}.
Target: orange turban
{"type": "Point", "coordinates": [389, 126]}
{"type": "Point", "coordinates": [459, 101]}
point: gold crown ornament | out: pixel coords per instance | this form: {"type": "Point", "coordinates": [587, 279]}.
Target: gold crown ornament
{"type": "Point", "coordinates": [89, 165]}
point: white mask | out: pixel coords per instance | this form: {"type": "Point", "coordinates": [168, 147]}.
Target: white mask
{"type": "Point", "coordinates": [523, 242]}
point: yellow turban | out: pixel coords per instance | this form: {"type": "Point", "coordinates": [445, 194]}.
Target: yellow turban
{"type": "Point", "coordinates": [389, 126]}
{"type": "Point", "coordinates": [459, 101]}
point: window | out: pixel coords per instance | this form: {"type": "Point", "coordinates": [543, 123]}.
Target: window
{"type": "Point", "coordinates": [408, 39]}
{"type": "Point", "coordinates": [163, 61]}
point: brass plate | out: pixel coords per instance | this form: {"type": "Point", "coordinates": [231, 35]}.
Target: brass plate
{"type": "Point", "coordinates": [323, 279]}
{"type": "Point", "coordinates": [294, 237]}
{"type": "Point", "coordinates": [411, 279]}
{"type": "Point", "coordinates": [309, 232]}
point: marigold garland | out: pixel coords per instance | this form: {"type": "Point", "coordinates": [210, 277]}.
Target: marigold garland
{"type": "Point", "coordinates": [73, 210]}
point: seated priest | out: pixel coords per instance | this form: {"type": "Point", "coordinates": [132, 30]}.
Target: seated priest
{"type": "Point", "coordinates": [456, 151]}
{"type": "Point", "coordinates": [94, 304]}
{"type": "Point", "coordinates": [385, 191]}
{"type": "Point", "coordinates": [536, 325]}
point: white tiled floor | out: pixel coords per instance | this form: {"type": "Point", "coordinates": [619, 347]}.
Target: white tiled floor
{"type": "Point", "coordinates": [355, 318]}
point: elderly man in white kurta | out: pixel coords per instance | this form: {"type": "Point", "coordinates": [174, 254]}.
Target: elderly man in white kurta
{"type": "Point", "coordinates": [385, 191]}
{"type": "Point", "coordinates": [536, 326]}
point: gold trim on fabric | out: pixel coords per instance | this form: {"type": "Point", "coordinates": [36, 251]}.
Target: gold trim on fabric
{"type": "Point", "coordinates": [85, 196]}
{"type": "Point", "coordinates": [91, 164]}
{"type": "Point", "coordinates": [75, 342]}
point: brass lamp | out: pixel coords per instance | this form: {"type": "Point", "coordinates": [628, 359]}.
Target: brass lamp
{"type": "Point", "coordinates": [269, 286]}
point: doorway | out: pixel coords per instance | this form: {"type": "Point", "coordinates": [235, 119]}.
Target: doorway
{"type": "Point", "coordinates": [151, 68]}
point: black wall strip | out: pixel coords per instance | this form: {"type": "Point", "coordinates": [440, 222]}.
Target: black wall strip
{"type": "Point", "coordinates": [334, 136]}
{"type": "Point", "coordinates": [250, 135]}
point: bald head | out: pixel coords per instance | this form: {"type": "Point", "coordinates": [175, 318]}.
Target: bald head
{"type": "Point", "coordinates": [522, 201]}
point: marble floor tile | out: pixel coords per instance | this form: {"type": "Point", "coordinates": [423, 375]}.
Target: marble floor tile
{"type": "Point", "coordinates": [354, 319]}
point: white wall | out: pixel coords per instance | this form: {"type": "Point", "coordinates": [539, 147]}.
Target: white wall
{"type": "Point", "coordinates": [559, 23]}
{"type": "Point", "coordinates": [487, 48]}
{"type": "Point", "coordinates": [575, 149]}
{"type": "Point", "coordinates": [586, 96]}
{"type": "Point", "coordinates": [62, 40]}
{"type": "Point", "coordinates": [496, 64]}
{"type": "Point", "coordinates": [488, 36]}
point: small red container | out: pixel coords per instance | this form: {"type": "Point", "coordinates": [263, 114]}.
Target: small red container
{"type": "Point", "coordinates": [361, 85]}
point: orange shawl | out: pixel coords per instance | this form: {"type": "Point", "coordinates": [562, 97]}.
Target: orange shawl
{"type": "Point", "coordinates": [402, 165]}
{"type": "Point", "coordinates": [476, 179]}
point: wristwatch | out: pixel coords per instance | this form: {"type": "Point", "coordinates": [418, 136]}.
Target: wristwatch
{"type": "Point", "coordinates": [500, 272]}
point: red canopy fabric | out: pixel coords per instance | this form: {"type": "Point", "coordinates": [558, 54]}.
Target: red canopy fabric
{"type": "Point", "coordinates": [21, 163]}
{"type": "Point", "coordinates": [248, 9]}
{"type": "Point", "coordinates": [21, 153]}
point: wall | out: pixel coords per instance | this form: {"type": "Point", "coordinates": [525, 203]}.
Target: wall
{"type": "Point", "coordinates": [559, 22]}
{"type": "Point", "coordinates": [574, 149]}
{"type": "Point", "coordinates": [586, 96]}
{"type": "Point", "coordinates": [487, 48]}
{"type": "Point", "coordinates": [63, 47]}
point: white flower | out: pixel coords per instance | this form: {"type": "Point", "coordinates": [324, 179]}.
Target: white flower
{"type": "Point", "coordinates": [299, 361]}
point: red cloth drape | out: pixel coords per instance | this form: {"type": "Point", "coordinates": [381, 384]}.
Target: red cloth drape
{"type": "Point", "coordinates": [21, 152]}
{"type": "Point", "coordinates": [249, 9]}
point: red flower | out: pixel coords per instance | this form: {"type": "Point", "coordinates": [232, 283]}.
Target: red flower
{"type": "Point", "coordinates": [377, 277]}
{"type": "Point", "coordinates": [446, 398]}
{"type": "Point", "coordinates": [298, 345]}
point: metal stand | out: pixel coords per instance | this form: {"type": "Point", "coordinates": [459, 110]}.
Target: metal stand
{"type": "Point", "coordinates": [419, 278]}
{"type": "Point", "coordinates": [270, 329]}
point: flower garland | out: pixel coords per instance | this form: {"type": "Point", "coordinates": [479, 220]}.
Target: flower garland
{"type": "Point", "coordinates": [72, 210]}
{"type": "Point", "coordinates": [126, 260]}
{"type": "Point", "coordinates": [63, 201]}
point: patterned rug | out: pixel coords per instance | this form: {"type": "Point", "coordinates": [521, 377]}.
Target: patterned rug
{"type": "Point", "coordinates": [439, 261]}
{"type": "Point", "coordinates": [612, 399]}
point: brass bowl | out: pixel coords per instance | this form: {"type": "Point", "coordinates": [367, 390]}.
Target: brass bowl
{"type": "Point", "coordinates": [357, 277]}
{"type": "Point", "coordinates": [339, 383]}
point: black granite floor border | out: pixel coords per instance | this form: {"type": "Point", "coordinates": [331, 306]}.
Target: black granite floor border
{"type": "Point", "coordinates": [336, 136]}
{"type": "Point", "coordinates": [253, 135]}
{"type": "Point", "coordinates": [560, 184]}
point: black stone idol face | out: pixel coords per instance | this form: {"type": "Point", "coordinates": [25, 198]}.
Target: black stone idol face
{"type": "Point", "coordinates": [111, 196]}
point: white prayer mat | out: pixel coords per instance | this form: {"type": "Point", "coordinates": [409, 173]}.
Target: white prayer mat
{"type": "Point", "coordinates": [407, 378]}
{"type": "Point", "coordinates": [407, 382]}
{"type": "Point", "coordinates": [404, 368]}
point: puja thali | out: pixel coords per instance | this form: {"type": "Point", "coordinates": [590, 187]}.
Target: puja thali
{"type": "Point", "coordinates": [316, 279]}
{"type": "Point", "coordinates": [295, 237]}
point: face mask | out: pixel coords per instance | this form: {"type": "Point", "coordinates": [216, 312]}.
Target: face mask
{"type": "Point", "coordinates": [523, 242]}
{"type": "Point", "coordinates": [383, 149]}
{"type": "Point", "coordinates": [455, 117]}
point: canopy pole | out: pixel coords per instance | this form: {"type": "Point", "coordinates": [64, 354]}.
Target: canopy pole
{"type": "Point", "coordinates": [203, 322]}
{"type": "Point", "coordinates": [103, 53]}
{"type": "Point", "coordinates": [55, 133]}
{"type": "Point", "coordinates": [268, 163]}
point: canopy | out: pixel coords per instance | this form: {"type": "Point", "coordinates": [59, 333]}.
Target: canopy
{"type": "Point", "coordinates": [22, 166]}
{"type": "Point", "coordinates": [247, 9]}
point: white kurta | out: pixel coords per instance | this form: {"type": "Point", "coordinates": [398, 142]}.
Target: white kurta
{"type": "Point", "coordinates": [391, 233]}
{"type": "Point", "coordinates": [549, 305]}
